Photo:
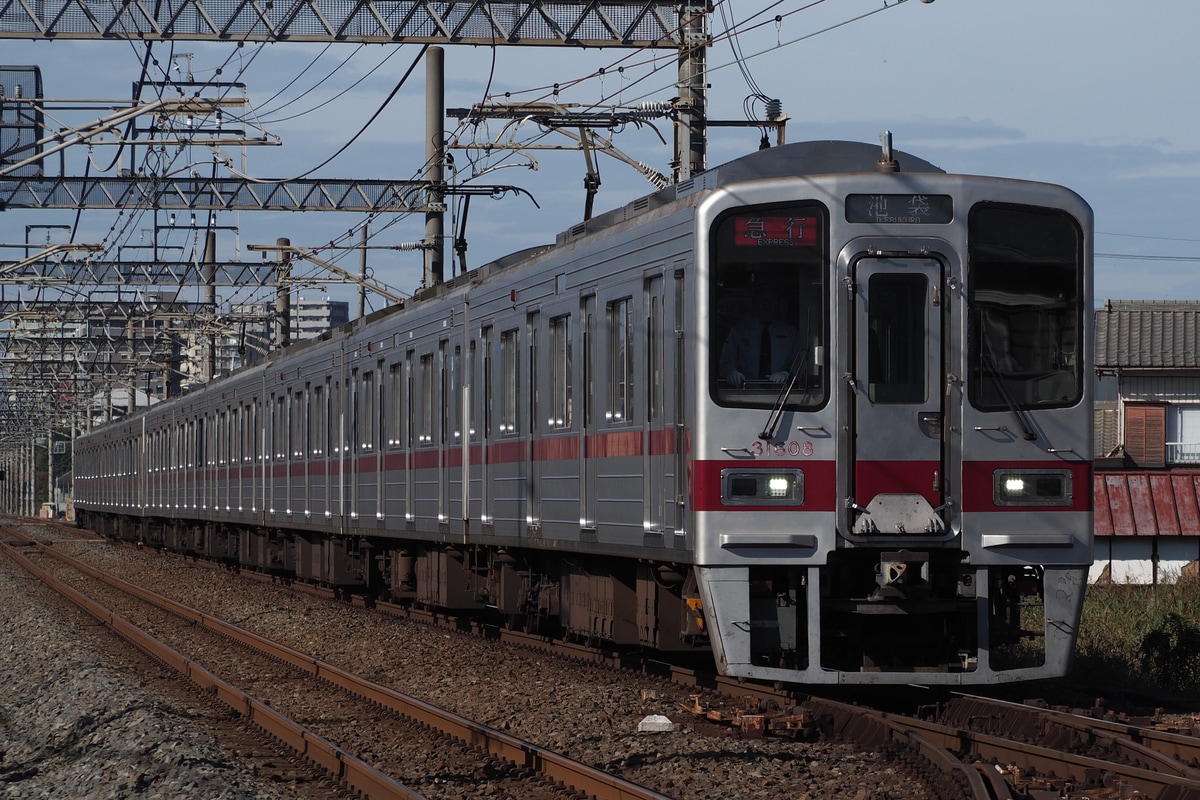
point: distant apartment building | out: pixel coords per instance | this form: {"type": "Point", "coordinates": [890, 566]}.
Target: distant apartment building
{"type": "Point", "coordinates": [247, 334]}
{"type": "Point", "coordinates": [313, 316]}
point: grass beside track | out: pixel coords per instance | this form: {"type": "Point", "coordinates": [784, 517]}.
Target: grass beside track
{"type": "Point", "coordinates": [1142, 637]}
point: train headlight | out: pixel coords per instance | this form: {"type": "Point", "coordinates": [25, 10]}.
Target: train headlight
{"type": "Point", "coordinates": [753, 487]}
{"type": "Point", "coordinates": [1032, 487]}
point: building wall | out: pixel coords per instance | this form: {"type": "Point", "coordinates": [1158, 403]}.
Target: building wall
{"type": "Point", "coordinates": [1158, 387]}
{"type": "Point", "coordinates": [1144, 560]}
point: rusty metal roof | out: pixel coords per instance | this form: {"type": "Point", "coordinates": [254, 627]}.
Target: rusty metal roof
{"type": "Point", "coordinates": [1147, 503]}
{"type": "Point", "coordinates": [1144, 334]}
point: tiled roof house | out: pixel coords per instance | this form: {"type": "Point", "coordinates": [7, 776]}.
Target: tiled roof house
{"type": "Point", "coordinates": [1147, 479]}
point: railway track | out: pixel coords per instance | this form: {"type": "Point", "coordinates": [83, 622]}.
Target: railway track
{"type": "Point", "coordinates": [1156, 762]}
{"type": "Point", "coordinates": [321, 712]}
{"type": "Point", "coordinates": [989, 749]}
{"type": "Point", "coordinates": [965, 747]}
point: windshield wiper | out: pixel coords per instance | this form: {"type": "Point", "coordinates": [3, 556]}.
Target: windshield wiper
{"type": "Point", "coordinates": [1018, 412]}
{"type": "Point", "coordinates": [798, 365]}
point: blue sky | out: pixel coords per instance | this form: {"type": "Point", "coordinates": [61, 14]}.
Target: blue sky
{"type": "Point", "coordinates": [1097, 95]}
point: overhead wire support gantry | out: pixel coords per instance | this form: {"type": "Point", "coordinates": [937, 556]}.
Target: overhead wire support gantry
{"type": "Point", "coordinates": [595, 23]}
{"type": "Point", "coordinates": [86, 272]}
{"type": "Point", "coordinates": [227, 193]}
{"type": "Point", "coordinates": [97, 327]}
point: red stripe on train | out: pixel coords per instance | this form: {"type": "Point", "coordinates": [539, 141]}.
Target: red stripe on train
{"type": "Point", "coordinates": [872, 478]}
{"type": "Point", "coordinates": [820, 484]}
{"type": "Point", "coordinates": [978, 478]}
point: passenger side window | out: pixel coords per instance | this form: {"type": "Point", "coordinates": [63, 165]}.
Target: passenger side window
{"type": "Point", "coordinates": [561, 388]}
{"type": "Point", "coordinates": [425, 434]}
{"type": "Point", "coordinates": [510, 369]}
{"type": "Point", "coordinates": [620, 361]}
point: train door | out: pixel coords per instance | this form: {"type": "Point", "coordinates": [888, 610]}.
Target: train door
{"type": "Point", "coordinates": [487, 512]}
{"type": "Point", "coordinates": [410, 433]}
{"type": "Point", "coordinates": [468, 430]}
{"type": "Point", "coordinates": [237, 442]}
{"type": "Point", "coordinates": [204, 437]}
{"type": "Point", "coordinates": [378, 415]}
{"type": "Point", "coordinates": [392, 404]}
{"type": "Point", "coordinates": [655, 471]}
{"type": "Point", "coordinates": [587, 429]}
{"type": "Point", "coordinates": [366, 467]}
{"type": "Point", "coordinates": [319, 450]}
{"type": "Point", "coordinates": [354, 443]}
{"type": "Point", "coordinates": [338, 442]}
{"type": "Point", "coordinates": [898, 364]}
{"type": "Point", "coordinates": [300, 451]}
{"type": "Point", "coordinates": [220, 462]}
{"type": "Point", "coordinates": [427, 461]}
{"type": "Point", "coordinates": [228, 451]}
{"type": "Point", "coordinates": [679, 388]}
{"type": "Point", "coordinates": [452, 487]}
{"type": "Point", "coordinates": [270, 449]}
{"type": "Point", "coordinates": [445, 404]}
{"type": "Point", "coordinates": [533, 465]}
{"type": "Point", "coordinates": [249, 455]}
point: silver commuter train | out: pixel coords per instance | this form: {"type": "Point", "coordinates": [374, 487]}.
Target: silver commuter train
{"type": "Point", "coordinates": [887, 482]}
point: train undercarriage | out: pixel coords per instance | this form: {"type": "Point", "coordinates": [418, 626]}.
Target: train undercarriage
{"type": "Point", "coordinates": [897, 611]}
{"type": "Point", "coordinates": [866, 610]}
{"type": "Point", "coordinates": [594, 599]}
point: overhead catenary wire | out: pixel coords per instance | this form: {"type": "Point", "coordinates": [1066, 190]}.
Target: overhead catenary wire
{"type": "Point", "coordinates": [657, 64]}
{"type": "Point", "coordinates": [268, 120]}
{"type": "Point", "coordinates": [267, 103]}
{"type": "Point", "coordinates": [168, 161]}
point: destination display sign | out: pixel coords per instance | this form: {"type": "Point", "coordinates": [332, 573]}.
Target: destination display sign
{"type": "Point", "coordinates": [909, 209]}
{"type": "Point", "coordinates": [774, 230]}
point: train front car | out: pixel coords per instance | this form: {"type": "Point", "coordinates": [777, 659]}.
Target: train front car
{"type": "Point", "coordinates": [892, 476]}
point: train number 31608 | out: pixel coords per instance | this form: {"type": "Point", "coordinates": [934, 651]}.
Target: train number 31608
{"type": "Point", "coordinates": [789, 449]}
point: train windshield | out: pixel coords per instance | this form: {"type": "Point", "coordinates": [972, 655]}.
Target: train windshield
{"type": "Point", "coordinates": [1025, 289]}
{"type": "Point", "coordinates": [769, 321]}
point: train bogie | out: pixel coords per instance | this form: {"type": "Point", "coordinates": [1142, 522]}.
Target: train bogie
{"type": "Point", "coordinates": [445, 578]}
{"type": "Point", "coordinates": [337, 562]}
{"type": "Point", "coordinates": [830, 421]}
{"type": "Point", "coordinates": [268, 551]}
{"type": "Point", "coordinates": [221, 544]}
{"type": "Point", "coordinates": [600, 605]}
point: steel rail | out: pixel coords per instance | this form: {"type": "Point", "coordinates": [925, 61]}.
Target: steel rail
{"type": "Point", "coordinates": [1161, 751]}
{"type": "Point", "coordinates": [341, 766]}
{"type": "Point", "coordinates": [545, 763]}
{"type": "Point", "coordinates": [1038, 760]}
{"type": "Point", "coordinates": [950, 777]}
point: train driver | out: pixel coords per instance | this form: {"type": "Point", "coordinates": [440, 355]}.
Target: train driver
{"type": "Point", "coordinates": [762, 347]}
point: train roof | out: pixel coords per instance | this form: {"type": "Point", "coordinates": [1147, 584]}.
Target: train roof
{"type": "Point", "coordinates": [814, 158]}
{"type": "Point", "coordinates": [801, 158]}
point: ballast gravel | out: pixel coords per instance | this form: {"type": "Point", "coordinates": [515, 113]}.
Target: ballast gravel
{"type": "Point", "coordinates": [81, 718]}
{"type": "Point", "coordinates": [77, 722]}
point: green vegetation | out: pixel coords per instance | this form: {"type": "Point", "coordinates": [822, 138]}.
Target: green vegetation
{"type": "Point", "coordinates": [1142, 637]}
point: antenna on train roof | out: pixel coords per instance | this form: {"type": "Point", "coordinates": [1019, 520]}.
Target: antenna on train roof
{"type": "Point", "coordinates": [886, 162]}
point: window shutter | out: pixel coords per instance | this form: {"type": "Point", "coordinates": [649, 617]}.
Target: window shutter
{"type": "Point", "coordinates": [1146, 435]}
